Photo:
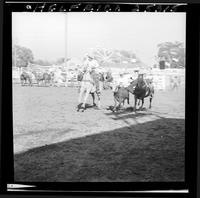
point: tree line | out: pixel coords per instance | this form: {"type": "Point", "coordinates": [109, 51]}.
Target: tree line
{"type": "Point", "coordinates": [172, 53]}
{"type": "Point", "coordinates": [22, 56]}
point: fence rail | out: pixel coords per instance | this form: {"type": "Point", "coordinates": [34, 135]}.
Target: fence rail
{"type": "Point", "coordinates": [162, 79]}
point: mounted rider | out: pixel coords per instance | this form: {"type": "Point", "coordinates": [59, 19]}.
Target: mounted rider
{"type": "Point", "coordinates": [91, 65]}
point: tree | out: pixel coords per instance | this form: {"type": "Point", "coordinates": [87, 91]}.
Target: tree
{"type": "Point", "coordinates": [42, 62]}
{"type": "Point", "coordinates": [21, 56]}
{"type": "Point", "coordinates": [105, 56]}
{"type": "Point", "coordinates": [173, 53]}
{"type": "Point", "coordinates": [128, 56]}
{"type": "Point", "coordinates": [60, 61]}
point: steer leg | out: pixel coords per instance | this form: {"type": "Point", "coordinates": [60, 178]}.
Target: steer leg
{"type": "Point", "coordinates": [121, 101]}
{"type": "Point", "coordinates": [119, 105]}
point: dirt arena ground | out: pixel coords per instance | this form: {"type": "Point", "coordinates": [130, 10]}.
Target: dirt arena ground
{"type": "Point", "coordinates": [54, 142]}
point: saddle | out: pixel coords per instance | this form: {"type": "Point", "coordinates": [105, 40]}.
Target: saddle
{"type": "Point", "coordinates": [140, 88]}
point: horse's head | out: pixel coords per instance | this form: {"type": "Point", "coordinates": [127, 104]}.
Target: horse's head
{"type": "Point", "coordinates": [80, 76]}
{"type": "Point", "coordinates": [133, 83]}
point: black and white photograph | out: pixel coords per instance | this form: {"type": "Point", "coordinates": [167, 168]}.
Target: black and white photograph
{"type": "Point", "coordinates": [98, 96]}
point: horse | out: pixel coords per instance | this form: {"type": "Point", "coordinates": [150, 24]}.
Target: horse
{"type": "Point", "coordinates": [48, 78]}
{"type": "Point", "coordinates": [141, 91]}
{"type": "Point", "coordinates": [25, 78]}
{"type": "Point", "coordinates": [176, 83]}
{"type": "Point", "coordinates": [88, 87]}
{"type": "Point", "coordinates": [38, 77]}
{"type": "Point", "coordinates": [121, 94]}
{"type": "Point", "coordinates": [57, 78]}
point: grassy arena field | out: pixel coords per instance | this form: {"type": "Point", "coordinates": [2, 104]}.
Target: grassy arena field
{"type": "Point", "coordinates": [55, 143]}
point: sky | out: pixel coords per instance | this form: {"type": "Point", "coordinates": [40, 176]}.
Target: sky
{"type": "Point", "coordinates": [54, 35]}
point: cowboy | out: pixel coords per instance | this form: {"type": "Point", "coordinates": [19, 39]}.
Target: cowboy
{"type": "Point", "coordinates": [92, 66]}
{"type": "Point", "coordinates": [135, 74]}
{"type": "Point", "coordinates": [122, 81]}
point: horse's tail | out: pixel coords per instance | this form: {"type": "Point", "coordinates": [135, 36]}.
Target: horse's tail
{"type": "Point", "coordinates": [152, 90]}
{"type": "Point", "coordinates": [148, 92]}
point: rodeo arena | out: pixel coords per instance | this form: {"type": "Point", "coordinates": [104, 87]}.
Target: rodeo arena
{"type": "Point", "coordinates": [85, 122]}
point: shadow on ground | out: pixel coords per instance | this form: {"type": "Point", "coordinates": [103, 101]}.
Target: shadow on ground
{"type": "Point", "coordinates": [151, 151]}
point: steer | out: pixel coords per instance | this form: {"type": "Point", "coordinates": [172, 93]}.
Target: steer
{"type": "Point", "coordinates": [120, 95]}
